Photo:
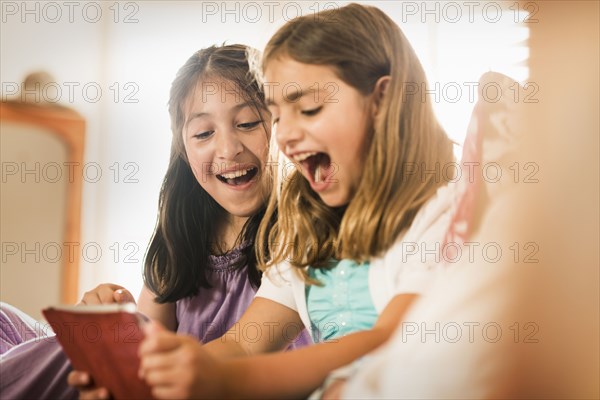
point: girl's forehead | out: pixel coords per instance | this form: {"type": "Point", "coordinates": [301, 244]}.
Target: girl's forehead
{"type": "Point", "coordinates": [208, 85]}
{"type": "Point", "coordinates": [276, 63]}
{"type": "Point", "coordinates": [208, 90]}
{"type": "Point", "coordinates": [290, 68]}
{"type": "Point", "coordinates": [286, 80]}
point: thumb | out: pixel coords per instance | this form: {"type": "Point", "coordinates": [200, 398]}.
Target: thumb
{"type": "Point", "coordinates": [153, 327]}
{"type": "Point", "coordinates": [123, 296]}
{"type": "Point", "coordinates": [157, 339]}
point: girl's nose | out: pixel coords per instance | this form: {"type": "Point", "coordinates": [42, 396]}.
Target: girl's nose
{"type": "Point", "coordinates": [229, 146]}
{"type": "Point", "coordinates": [287, 133]}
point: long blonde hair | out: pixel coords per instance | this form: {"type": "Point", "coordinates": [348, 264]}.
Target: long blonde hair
{"type": "Point", "coordinates": [361, 44]}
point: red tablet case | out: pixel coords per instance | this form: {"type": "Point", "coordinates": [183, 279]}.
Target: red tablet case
{"type": "Point", "coordinates": [104, 341]}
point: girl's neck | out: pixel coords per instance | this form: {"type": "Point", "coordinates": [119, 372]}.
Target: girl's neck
{"type": "Point", "coordinates": [229, 234]}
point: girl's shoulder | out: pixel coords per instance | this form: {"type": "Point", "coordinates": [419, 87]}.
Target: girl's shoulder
{"type": "Point", "coordinates": [428, 229]}
{"type": "Point", "coordinates": [283, 274]}
{"type": "Point", "coordinates": [412, 263]}
{"type": "Point", "coordinates": [433, 219]}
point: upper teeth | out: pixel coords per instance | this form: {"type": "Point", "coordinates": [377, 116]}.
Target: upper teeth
{"type": "Point", "coordinates": [303, 156]}
{"type": "Point", "coordinates": [236, 174]}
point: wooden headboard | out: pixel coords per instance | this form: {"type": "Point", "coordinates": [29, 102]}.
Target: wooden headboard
{"type": "Point", "coordinates": [53, 169]}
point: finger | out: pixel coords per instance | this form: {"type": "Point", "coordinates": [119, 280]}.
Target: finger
{"type": "Point", "coordinates": [97, 393]}
{"type": "Point", "coordinates": [153, 327]}
{"type": "Point", "coordinates": [78, 378]}
{"type": "Point", "coordinates": [101, 294]}
{"type": "Point", "coordinates": [106, 293]}
{"type": "Point", "coordinates": [159, 342]}
{"type": "Point", "coordinates": [166, 392]}
{"type": "Point", "coordinates": [162, 350]}
{"type": "Point", "coordinates": [334, 391]}
{"type": "Point", "coordinates": [159, 362]}
{"type": "Point", "coordinates": [123, 296]}
{"type": "Point", "coordinates": [91, 298]}
{"type": "Point", "coordinates": [161, 370]}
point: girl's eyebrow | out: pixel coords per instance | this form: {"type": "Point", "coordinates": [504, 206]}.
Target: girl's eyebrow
{"type": "Point", "coordinates": [235, 109]}
{"type": "Point", "coordinates": [294, 95]}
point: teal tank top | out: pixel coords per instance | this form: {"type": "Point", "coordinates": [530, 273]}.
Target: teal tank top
{"type": "Point", "coordinates": [343, 303]}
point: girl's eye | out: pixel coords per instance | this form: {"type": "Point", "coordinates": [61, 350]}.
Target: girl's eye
{"type": "Point", "coordinates": [204, 135]}
{"type": "Point", "coordinates": [312, 112]}
{"type": "Point", "coordinates": [249, 125]}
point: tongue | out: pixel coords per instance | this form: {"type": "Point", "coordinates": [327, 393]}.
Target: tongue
{"type": "Point", "coordinates": [240, 180]}
{"type": "Point", "coordinates": [319, 165]}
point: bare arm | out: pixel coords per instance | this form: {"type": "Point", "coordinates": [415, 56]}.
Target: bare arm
{"type": "Point", "coordinates": [164, 313]}
{"type": "Point", "coordinates": [176, 365]}
{"type": "Point", "coordinates": [179, 367]}
{"type": "Point", "coordinates": [277, 375]}
{"type": "Point", "coordinates": [266, 326]}
{"type": "Point", "coordinates": [107, 293]}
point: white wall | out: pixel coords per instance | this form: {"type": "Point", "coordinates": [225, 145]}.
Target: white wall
{"type": "Point", "coordinates": [134, 49]}
{"type": "Point", "coordinates": [133, 62]}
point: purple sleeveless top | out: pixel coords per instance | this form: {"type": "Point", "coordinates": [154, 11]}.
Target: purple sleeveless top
{"type": "Point", "coordinates": [210, 313]}
{"type": "Point", "coordinates": [33, 364]}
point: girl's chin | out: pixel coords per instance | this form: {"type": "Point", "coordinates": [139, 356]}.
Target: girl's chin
{"type": "Point", "coordinates": [338, 196]}
{"type": "Point", "coordinates": [244, 212]}
{"type": "Point", "coordinates": [335, 201]}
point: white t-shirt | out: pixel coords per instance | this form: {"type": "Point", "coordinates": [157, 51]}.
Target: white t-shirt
{"type": "Point", "coordinates": [409, 266]}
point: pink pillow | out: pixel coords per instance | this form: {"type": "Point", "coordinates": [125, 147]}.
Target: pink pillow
{"type": "Point", "coordinates": [485, 164]}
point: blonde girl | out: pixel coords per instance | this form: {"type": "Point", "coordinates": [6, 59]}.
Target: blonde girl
{"type": "Point", "coordinates": [335, 259]}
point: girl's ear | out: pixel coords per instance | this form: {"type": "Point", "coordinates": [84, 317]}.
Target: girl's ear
{"type": "Point", "coordinates": [379, 93]}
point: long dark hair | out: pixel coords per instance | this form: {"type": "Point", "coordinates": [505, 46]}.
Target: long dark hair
{"type": "Point", "coordinates": [188, 217]}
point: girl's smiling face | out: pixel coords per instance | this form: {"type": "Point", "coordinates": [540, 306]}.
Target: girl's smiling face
{"type": "Point", "coordinates": [321, 123]}
{"type": "Point", "coordinates": [226, 143]}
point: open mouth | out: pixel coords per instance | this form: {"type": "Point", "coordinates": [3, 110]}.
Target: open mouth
{"type": "Point", "coordinates": [239, 177]}
{"type": "Point", "coordinates": [317, 165]}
